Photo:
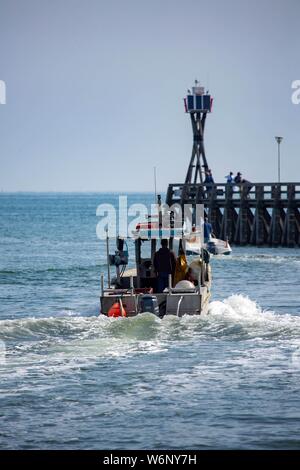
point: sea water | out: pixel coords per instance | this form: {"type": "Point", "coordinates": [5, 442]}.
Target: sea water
{"type": "Point", "coordinates": [70, 378]}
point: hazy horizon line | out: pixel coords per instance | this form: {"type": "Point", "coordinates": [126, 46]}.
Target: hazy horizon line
{"type": "Point", "coordinates": [78, 192]}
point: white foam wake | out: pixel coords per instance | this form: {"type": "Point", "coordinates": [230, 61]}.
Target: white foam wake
{"type": "Point", "coordinates": [240, 311]}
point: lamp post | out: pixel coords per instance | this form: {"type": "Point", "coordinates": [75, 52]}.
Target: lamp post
{"type": "Point", "coordinates": [278, 140]}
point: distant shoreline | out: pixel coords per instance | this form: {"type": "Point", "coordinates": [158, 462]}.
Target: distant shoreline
{"type": "Point", "coordinates": [78, 192]}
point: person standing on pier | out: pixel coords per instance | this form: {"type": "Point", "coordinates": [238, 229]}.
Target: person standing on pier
{"type": "Point", "coordinates": [208, 177]}
{"type": "Point", "coordinates": [238, 178]}
{"type": "Point", "coordinates": [209, 181]}
{"type": "Point", "coordinates": [229, 178]}
{"type": "Point", "coordinates": [229, 181]}
{"type": "Point", "coordinates": [245, 185]}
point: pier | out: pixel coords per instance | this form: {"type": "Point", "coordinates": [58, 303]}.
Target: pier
{"type": "Point", "coordinates": [263, 214]}
{"type": "Point", "coordinates": [244, 213]}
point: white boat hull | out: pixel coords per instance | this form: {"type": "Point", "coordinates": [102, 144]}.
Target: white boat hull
{"type": "Point", "coordinates": [215, 247]}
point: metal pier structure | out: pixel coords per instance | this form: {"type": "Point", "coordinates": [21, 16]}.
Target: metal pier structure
{"type": "Point", "coordinates": [256, 213]}
{"type": "Point", "coordinates": [265, 214]}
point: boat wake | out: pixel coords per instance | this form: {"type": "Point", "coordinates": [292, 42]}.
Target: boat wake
{"type": "Point", "coordinates": [236, 317]}
{"type": "Point", "coordinates": [240, 313]}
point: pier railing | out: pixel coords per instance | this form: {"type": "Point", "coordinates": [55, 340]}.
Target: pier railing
{"type": "Point", "coordinates": [247, 213]}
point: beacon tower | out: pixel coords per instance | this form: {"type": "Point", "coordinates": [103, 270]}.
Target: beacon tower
{"type": "Point", "coordinates": [197, 103]}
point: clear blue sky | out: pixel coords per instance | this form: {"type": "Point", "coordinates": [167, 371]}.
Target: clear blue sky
{"type": "Point", "coordinates": [95, 88]}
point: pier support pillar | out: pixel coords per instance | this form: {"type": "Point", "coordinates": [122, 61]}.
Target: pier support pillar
{"type": "Point", "coordinates": [229, 222]}
{"type": "Point", "coordinates": [243, 225]}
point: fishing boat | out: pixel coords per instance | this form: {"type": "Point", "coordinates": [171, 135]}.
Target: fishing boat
{"type": "Point", "coordinates": [134, 291]}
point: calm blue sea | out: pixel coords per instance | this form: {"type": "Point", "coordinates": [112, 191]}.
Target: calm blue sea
{"type": "Point", "coordinates": [71, 379]}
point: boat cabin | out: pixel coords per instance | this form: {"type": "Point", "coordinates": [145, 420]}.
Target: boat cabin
{"type": "Point", "coordinates": [136, 290]}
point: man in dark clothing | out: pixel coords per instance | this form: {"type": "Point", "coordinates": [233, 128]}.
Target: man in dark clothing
{"type": "Point", "coordinates": [209, 181]}
{"type": "Point", "coordinates": [238, 178]}
{"type": "Point", "coordinates": [245, 185]}
{"type": "Point", "coordinates": [164, 265]}
{"type": "Point", "coordinates": [238, 181]}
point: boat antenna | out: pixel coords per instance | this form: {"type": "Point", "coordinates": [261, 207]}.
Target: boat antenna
{"type": "Point", "coordinates": [107, 258]}
{"type": "Point", "coordinates": [155, 191]}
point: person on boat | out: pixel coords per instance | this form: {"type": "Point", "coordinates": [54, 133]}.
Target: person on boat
{"type": "Point", "coordinates": [207, 230]}
{"type": "Point", "coordinates": [164, 265]}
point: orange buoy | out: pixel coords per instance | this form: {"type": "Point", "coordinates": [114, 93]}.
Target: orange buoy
{"type": "Point", "coordinates": [117, 310]}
